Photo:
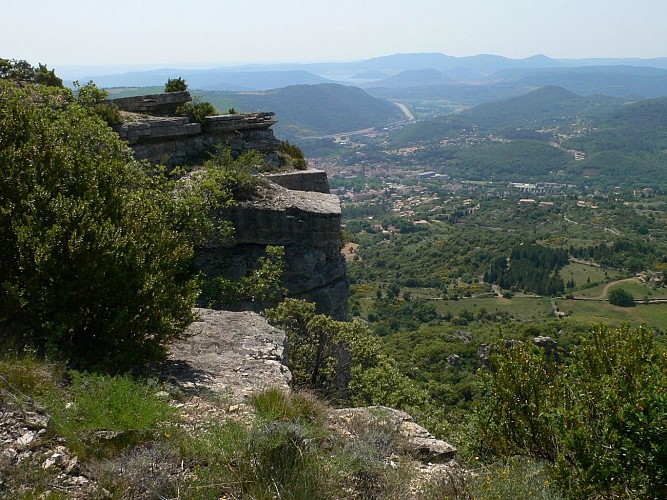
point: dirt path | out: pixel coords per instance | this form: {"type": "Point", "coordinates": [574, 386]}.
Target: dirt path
{"type": "Point", "coordinates": [608, 285]}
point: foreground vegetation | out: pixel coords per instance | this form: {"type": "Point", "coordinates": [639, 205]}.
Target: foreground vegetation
{"type": "Point", "coordinates": [592, 425]}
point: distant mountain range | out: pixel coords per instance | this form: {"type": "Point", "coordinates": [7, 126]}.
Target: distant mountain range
{"type": "Point", "coordinates": [213, 79]}
{"type": "Point", "coordinates": [399, 70]}
{"type": "Point", "coordinates": [326, 98]}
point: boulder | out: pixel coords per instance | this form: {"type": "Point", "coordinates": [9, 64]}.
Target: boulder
{"type": "Point", "coordinates": [416, 440]}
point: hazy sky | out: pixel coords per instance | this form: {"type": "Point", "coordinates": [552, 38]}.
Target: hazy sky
{"type": "Point", "coordinates": [85, 32]}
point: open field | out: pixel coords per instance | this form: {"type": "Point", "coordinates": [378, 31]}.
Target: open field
{"type": "Point", "coordinates": [584, 276]}
{"type": "Point", "coordinates": [541, 308]}
{"type": "Point", "coordinates": [640, 290]}
{"type": "Point", "coordinates": [526, 308]}
{"type": "Point", "coordinates": [602, 312]}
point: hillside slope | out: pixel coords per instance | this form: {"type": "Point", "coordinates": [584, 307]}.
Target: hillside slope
{"type": "Point", "coordinates": [313, 110]}
{"type": "Point", "coordinates": [547, 105]}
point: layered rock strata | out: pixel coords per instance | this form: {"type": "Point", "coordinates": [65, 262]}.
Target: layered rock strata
{"type": "Point", "coordinates": [293, 209]}
{"type": "Point", "coordinates": [155, 134]}
{"type": "Point", "coordinates": [307, 224]}
{"type": "Point", "coordinates": [302, 180]}
{"type": "Point", "coordinates": [175, 140]}
{"type": "Point", "coordinates": [164, 104]}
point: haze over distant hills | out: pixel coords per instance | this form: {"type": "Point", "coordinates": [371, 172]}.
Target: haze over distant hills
{"type": "Point", "coordinates": [322, 98]}
{"type": "Point", "coordinates": [386, 71]}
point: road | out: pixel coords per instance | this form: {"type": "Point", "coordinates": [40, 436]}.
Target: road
{"type": "Point", "coordinates": [408, 114]}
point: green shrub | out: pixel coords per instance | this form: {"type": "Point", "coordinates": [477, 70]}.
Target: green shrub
{"type": "Point", "coordinates": [275, 404]}
{"type": "Point", "coordinates": [514, 478]}
{"type": "Point", "coordinates": [102, 414]}
{"type": "Point", "coordinates": [600, 421]}
{"type": "Point", "coordinates": [235, 175]}
{"type": "Point", "coordinates": [296, 158]}
{"type": "Point", "coordinates": [268, 460]}
{"type": "Point", "coordinates": [25, 377]}
{"type": "Point", "coordinates": [197, 110]}
{"type": "Point", "coordinates": [621, 297]}
{"type": "Point", "coordinates": [91, 266]}
{"type": "Point", "coordinates": [175, 85]}
{"type": "Point", "coordinates": [261, 285]}
{"type": "Point", "coordinates": [96, 99]}
{"type": "Point", "coordinates": [110, 403]}
{"type": "Point", "coordinates": [323, 352]}
{"type": "Point", "coordinates": [523, 388]}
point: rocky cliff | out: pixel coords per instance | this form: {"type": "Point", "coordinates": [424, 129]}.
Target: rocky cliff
{"type": "Point", "coordinates": [292, 209]}
{"type": "Point", "coordinates": [307, 224]}
{"type": "Point", "coordinates": [155, 134]}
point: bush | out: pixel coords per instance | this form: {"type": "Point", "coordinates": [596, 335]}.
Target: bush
{"type": "Point", "coordinates": [126, 411]}
{"type": "Point", "coordinates": [91, 266]}
{"type": "Point", "coordinates": [268, 460]}
{"type": "Point", "coordinates": [296, 157]}
{"type": "Point", "coordinates": [323, 352]}
{"type": "Point", "coordinates": [621, 297]}
{"type": "Point", "coordinates": [197, 110]}
{"type": "Point", "coordinates": [600, 421]}
{"type": "Point", "coordinates": [262, 284]}
{"type": "Point", "coordinates": [97, 100]}
{"type": "Point", "coordinates": [175, 85]}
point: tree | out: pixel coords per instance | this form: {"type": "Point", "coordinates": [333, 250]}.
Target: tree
{"type": "Point", "coordinates": [22, 71]}
{"type": "Point", "coordinates": [175, 85]}
{"type": "Point", "coordinates": [323, 351]}
{"type": "Point", "coordinates": [97, 99]}
{"type": "Point", "coordinates": [621, 297]}
{"type": "Point", "coordinates": [92, 265]}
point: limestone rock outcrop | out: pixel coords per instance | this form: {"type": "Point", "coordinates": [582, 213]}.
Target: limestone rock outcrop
{"type": "Point", "coordinates": [307, 224]}
{"type": "Point", "coordinates": [230, 353]}
{"type": "Point", "coordinates": [292, 209]}
{"type": "Point", "coordinates": [417, 440]}
{"type": "Point", "coordinates": [164, 104]}
{"type": "Point", "coordinates": [155, 134]}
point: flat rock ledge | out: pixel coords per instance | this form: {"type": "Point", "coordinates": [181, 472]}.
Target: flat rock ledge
{"type": "Point", "coordinates": [233, 354]}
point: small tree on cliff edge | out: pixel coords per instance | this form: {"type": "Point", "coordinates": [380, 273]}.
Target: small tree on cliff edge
{"type": "Point", "coordinates": [175, 85]}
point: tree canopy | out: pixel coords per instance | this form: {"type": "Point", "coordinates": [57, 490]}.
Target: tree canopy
{"type": "Point", "coordinates": [92, 265]}
{"type": "Point", "coordinates": [22, 71]}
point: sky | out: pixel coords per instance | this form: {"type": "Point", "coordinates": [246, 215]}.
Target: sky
{"type": "Point", "coordinates": [181, 33]}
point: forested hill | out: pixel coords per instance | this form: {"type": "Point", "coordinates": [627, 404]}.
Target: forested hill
{"type": "Point", "coordinates": [313, 110]}
{"type": "Point", "coordinates": [431, 130]}
{"type": "Point", "coordinates": [630, 128]}
{"type": "Point", "coordinates": [544, 106]}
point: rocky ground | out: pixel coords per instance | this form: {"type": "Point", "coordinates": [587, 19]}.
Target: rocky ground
{"type": "Point", "coordinates": [227, 357]}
